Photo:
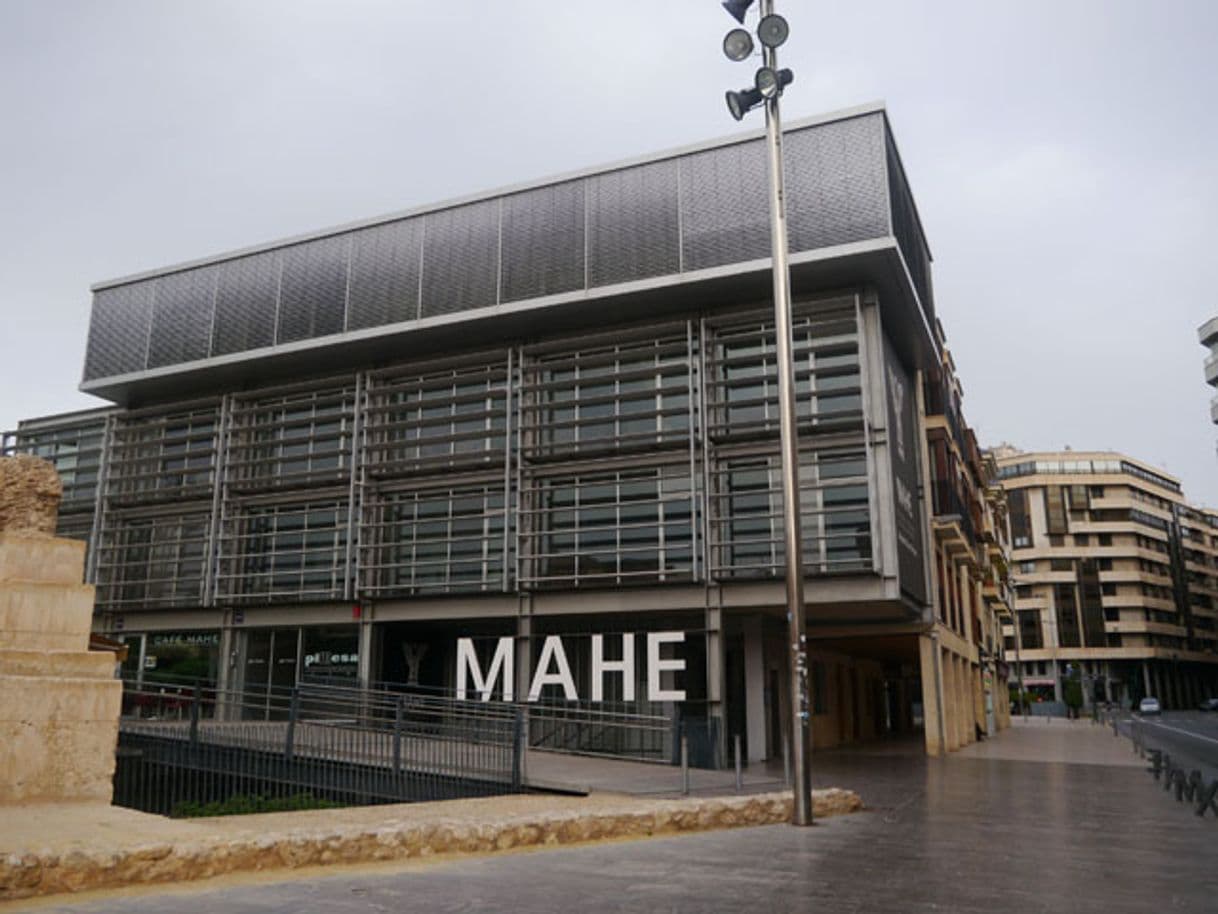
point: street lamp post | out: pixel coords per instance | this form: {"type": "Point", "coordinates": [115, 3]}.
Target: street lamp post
{"type": "Point", "coordinates": [1023, 703]}
{"type": "Point", "coordinates": [768, 84]}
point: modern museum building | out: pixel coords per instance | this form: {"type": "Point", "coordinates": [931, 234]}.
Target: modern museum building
{"type": "Point", "coordinates": [525, 444]}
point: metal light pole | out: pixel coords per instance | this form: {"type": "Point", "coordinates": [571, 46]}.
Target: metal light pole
{"type": "Point", "coordinates": [1023, 702]}
{"type": "Point", "coordinates": [801, 713]}
{"type": "Point", "coordinates": [768, 87]}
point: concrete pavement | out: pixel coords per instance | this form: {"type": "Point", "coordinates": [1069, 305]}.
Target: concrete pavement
{"type": "Point", "coordinates": [1046, 817]}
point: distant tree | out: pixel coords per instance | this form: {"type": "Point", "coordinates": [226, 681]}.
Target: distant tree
{"type": "Point", "coordinates": [1072, 693]}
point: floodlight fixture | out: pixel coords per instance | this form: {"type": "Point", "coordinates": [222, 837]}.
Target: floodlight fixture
{"type": "Point", "coordinates": [770, 82]}
{"type": "Point", "coordinates": [738, 44]}
{"type": "Point", "coordinates": [737, 8]}
{"type": "Point", "coordinates": [773, 30]}
{"type": "Point", "coordinates": [742, 102]}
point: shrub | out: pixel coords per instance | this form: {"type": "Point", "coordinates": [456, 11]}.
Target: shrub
{"type": "Point", "coordinates": [246, 804]}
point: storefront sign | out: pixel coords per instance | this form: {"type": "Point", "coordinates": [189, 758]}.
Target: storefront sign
{"type": "Point", "coordinates": [326, 658]}
{"type": "Point", "coordinates": [553, 669]}
{"type": "Point", "coordinates": [338, 664]}
{"type": "Point", "coordinates": [199, 639]}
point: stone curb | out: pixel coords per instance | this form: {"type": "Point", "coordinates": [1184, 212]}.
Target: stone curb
{"type": "Point", "coordinates": [44, 873]}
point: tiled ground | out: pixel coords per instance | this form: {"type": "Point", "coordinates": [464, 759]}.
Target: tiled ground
{"type": "Point", "coordinates": [1069, 826]}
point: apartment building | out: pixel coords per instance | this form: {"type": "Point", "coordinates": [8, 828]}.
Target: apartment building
{"type": "Point", "coordinates": [970, 567]}
{"type": "Point", "coordinates": [1116, 579]}
{"type": "Point", "coordinates": [1207, 333]}
{"type": "Point", "coordinates": [546, 413]}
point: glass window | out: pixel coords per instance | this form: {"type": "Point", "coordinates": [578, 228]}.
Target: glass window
{"type": "Point", "coordinates": [293, 551]}
{"type": "Point", "coordinates": [148, 562]}
{"type": "Point", "coordinates": [835, 523]}
{"type": "Point", "coordinates": [430, 419]}
{"type": "Point", "coordinates": [443, 539]}
{"type": "Point", "coordinates": [163, 456]}
{"type": "Point", "coordinates": [600, 395]}
{"type": "Point", "coordinates": [621, 526]}
{"type": "Point", "coordinates": [743, 391]}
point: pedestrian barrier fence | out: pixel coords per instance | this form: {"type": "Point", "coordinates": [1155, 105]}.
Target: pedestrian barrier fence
{"type": "Point", "coordinates": [181, 749]}
{"type": "Point", "coordinates": [1189, 786]}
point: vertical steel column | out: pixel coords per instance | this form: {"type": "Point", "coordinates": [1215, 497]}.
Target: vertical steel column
{"type": "Point", "coordinates": [507, 465]}
{"type": "Point", "coordinates": [871, 378]}
{"type": "Point", "coordinates": [704, 424]}
{"type": "Point", "coordinates": [520, 519]}
{"type": "Point", "coordinates": [693, 478]}
{"type": "Point", "coordinates": [214, 522]}
{"type": "Point", "coordinates": [801, 719]}
{"type": "Point", "coordinates": [99, 500]}
{"type": "Point", "coordinates": [354, 491]}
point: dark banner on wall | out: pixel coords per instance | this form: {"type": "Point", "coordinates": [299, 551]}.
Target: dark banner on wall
{"type": "Point", "coordinates": [903, 448]}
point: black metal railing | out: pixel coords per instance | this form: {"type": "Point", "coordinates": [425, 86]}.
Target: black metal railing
{"type": "Point", "coordinates": [612, 729]}
{"type": "Point", "coordinates": [182, 748]}
{"type": "Point", "coordinates": [948, 503]}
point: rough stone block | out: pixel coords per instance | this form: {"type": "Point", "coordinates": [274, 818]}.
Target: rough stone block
{"type": "Point", "coordinates": [66, 664]}
{"type": "Point", "coordinates": [36, 698]}
{"type": "Point", "coordinates": [30, 611]}
{"type": "Point", "coordinates": [37, 559]}
{"type": "Point", "coordinates": [57, 761]}
{"type": "Point", "coordinates": [30, 491]}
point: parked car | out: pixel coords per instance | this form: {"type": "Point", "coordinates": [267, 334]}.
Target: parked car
{"type": "Point", "coordinates": [1210, 704]}
{"type": "Point", "coordinates": [1149, 705]}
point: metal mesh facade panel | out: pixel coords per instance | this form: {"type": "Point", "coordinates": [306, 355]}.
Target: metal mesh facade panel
{"type": "Point", "coordinates": [907, 231]}
{"type": "Point", "coordinates": [632, 224]}
{"type": "Point", "coordinates": [247, 293]}
{"type": "Point", "coordinates": [182, 317]}
{"type": "Point", "coordinates": [461, 259]}
{"type": "Point", "coordinates": [385, 274]}
{"type": "Point", "coordinates": [313, 293]}
{"type": "Point", "coordinates": [543, 241]}
{"type": "Point", "coordinates": [700, 210]}
{"type": "Point", "coordinates": [835, 183]}
{"type": "Point", "coordinates": [725, 214]}
{"type": "Point", "coordinates": [118, 330]}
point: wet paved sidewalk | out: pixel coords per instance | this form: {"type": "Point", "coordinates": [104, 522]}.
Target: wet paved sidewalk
{"type": "Point", "coordinates": [1044, 818]}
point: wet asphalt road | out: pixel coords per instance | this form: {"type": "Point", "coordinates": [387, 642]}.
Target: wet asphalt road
{"type": "Point", "coordinates": [1190, 736]}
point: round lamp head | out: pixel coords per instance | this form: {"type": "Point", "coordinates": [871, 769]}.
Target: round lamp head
{"type": "Point", "coordinates": [766, 82]}
{"type": "Point", "coordinates": [773, 30]}
{"type": "Point", "coordinates": [740, 103]}
{"type": "Point", "coordinates": [738, 44]}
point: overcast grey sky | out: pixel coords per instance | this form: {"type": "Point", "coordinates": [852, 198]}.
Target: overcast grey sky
{"type": "Point", "coordinates": [1063, 155]}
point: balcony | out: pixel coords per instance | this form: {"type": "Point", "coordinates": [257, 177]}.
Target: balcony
{"type": "Point", "coordinates": [953, 521]}
{"type": "Point", "coordinates": [1207, 333]}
